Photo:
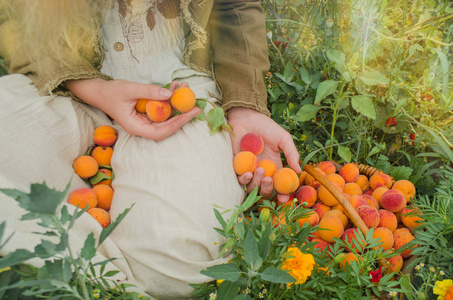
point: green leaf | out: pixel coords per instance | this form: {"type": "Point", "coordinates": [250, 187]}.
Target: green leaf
{"type": "Point", "coordinates": [40, 200]}
{"type": "Point", "coordinates": [373, 77]}
{"type": "Point", "coordinates": [89, 251]}
{"type": "Point", "coordinates": [251, 255]}
{"type": "Point", "coordinates": [325, 89]}
{"type": "Point", "coordinates": [401, 172]}
{"type": "Point", "coordinates": [448, 152]}
{"type": "Point", "coordinates": [445, 70]}
{"type": "Point", "coordinates": [406, 284]}
{"type": "Point", "coordinates": [98, 177]}
{"type": "Point", "coordinates": [227, 290]}
{"type": "Point", "coordinates": [15, 258]}
{"type": "Point", "coordinates": [229, 272]}
{"type": "Point", "coordinates": [307, 112]}
{"type": "Point", "coordinates": [275, 275]}
{"type": "Point", "coordinates": [363, 105]}
{"type": "Point", "coordinates": [264, 244]}
{"type": "Point", "coordinates": [106, 231]}
{"type": "Point", "coordinates": [215, 118]}
{"type": "Point", "coordinates": [344, 153]}
{"type": "Point", "coordinates": [242, 297]}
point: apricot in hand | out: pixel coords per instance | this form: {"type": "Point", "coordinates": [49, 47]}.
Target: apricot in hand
{"type": "Point", "coordinates": [245, 161]}
{"type": "Point", "coordinates": [286, 181]}
{"type": "Point", "coordinates": [183, 99]}
{"type": "Point", "coordinates": [158, 111]}
{"type": "Point", "coordinates": [252, 142]}
{"type": "Point", "coordinates": [140, 106]}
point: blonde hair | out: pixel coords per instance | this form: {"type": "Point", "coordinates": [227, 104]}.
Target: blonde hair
{"type": "Point", "coordinates": [52, 28]}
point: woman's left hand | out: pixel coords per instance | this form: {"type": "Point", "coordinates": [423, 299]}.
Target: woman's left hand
{"type": "Point", "coordinates": [276, 139]}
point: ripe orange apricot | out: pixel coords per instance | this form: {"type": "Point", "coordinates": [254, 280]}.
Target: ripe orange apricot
{"type": "Point", "coordinates": [334, 177]}
{"type": "Point", "coordinates": [337, 213]}
{"type": "Point", "coordinates": [348, 258]}
{"type": "Point", "coordinates": [311, 218]}
{"type": "Point", "coordinates": [377, 194]}
{"type": "Point", "coordinates": [352, 188]}
{"type": "Point", "coordinates": [183, 99]}
{"type": "Point", "coordinates": [387, 219]}
{"type": "Point", "coordinates": [406, 187]}
{"type": "Point", "coordinates": [245, 161]}
{"type": "Point", "coordinates": [105, 135]}
{"type": "Point", "coordinates": [357, 201]}
{"type": "Point", "coordinates": [330, 227]}
{"type": "Point", "coordinates": [369, 215]}
{"type": "Point", "coordinates": [269, 167]}
{"type": "Point", "coordinates": [411, 217]}
{"type": "Point", "coordinates": [286, 181]}
{"type": "Point", "coordinates": [306, 194]}
{"type": "Point", "coordinates": [327, 167]}
{"type": "Point", "coordinates": [104, 195]}
{"type": "Point", "coordinates": [326, 197]}
{"type": "Point", "coordinates": [363, 182]}
{"type": "Point", "coordinates": [107, 181]}
{"type": "Point", "coordinates": [380, 179]}
{"type": "Point", "coordinates": [158, 111]}
{"type": "Point", "coordinates": [352, 237]}
{"type": "Point", "coordinates": [140, 106]}
{"type": "Point", "coordinates": [320, 209]}
{"type": "Point", "coordinates": [252, 142]}
{"type": "Point", "coordinates": [395, 263]}
{"type": "Point", "coordinates": [85, 166]}
{"type": "Point", "coordinates": [103, 155]}
{"type": "Point", "coordinates": [385, 237]}
{"type": "Point", "coordinates": [101, 215]}
{"type": "Point", "coordinates": [83, 197]}
{"type": "Point", "coordinates": [402, 236]}
{"type": "Point", "coordinates": [350, 172]}
{"type": "Point", "coordinates": [310, 180]}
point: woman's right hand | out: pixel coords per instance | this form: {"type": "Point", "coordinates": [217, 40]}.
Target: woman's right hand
{"type": "Point", "coordinates": [117, 98]}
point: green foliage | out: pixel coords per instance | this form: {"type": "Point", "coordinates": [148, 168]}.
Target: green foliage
{"type": "Point", "coordinates": [64, 273]}
{"type": "Point", "coordinates": [340, 70]}
{"type": "Point", "coordinates": [257, 248]}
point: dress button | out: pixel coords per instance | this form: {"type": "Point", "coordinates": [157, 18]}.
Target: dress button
{"type": "Point", "coordinates": [118, 46]}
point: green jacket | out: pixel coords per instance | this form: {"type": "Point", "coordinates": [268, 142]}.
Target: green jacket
{"type": "Point", "coordinates": [224, 38]}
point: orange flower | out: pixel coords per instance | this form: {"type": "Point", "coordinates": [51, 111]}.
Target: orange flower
{"type": "Point", "coordinates": [298, 264]}
{"type": "Point", "coordinates": [444, 289]}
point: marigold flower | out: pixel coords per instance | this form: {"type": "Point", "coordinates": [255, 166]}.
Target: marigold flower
{"type": "Point", "coordinates": [298, 264]}
{"type": "Point", "coordinates": [444, 289]}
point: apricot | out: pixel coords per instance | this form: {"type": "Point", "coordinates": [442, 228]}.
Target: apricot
{"type": "Point", "coordinates": [393, 200]}
{"type": "Point", "coordinates": [83, 197]}
{"type": "Point", "coordinates": [85, 166]}
{"type": "Point", "coordinates": [362, 181]}
{"type": "Point", "coordinates": [352, 237]}
{"type": "Point", "coordinates": [320, 209]}
{"type": "Point", "coordinates": [245, 161]}
{"type": "Point", "coordinates": [377, 194]}
{"type": "Point", "coordinates": [380, 179]}
{"type": "Point", "coordinates": [338, 207]}
{"type": "Point", "coordinates": [269, 167]}
{"type": "Point", "coordinates": [158, 111]}
{"type": "Point", "coordinates": [105, 135]}
{"type": "Point", "coordinates": [334, 212]}
{"type": "Point", "coordinates": [104, 196]}
{"type": "Point", "coordinates": [311, 218]}
{"type": "Point", "coordinates": [334, 177]}
{"type": "Point", "coordinates": [406, 187]}
{"type": "Point", "coordinates": [321, 245]}
{"type": "Point", "coordinates": [107, 181]}
{"type": "Point", "coordinates": [350, 172]}
{"type": "Point", "coordinates": [395, 263]}
{"type": "Point", "coordinates": [103, 155]}
{"type": "Point", "coordinates": [411, 217]}
{"type": "Point", "coordinates": [371, 201]}
{"type": "Point", "coordinates": [330, 227]}
{"type": "Point", "coordinates": [327, 167]}
{"type": "Point", "coordinates": [101, 215]}
{"type": "Point", "coordinates": [183, 99]}
{"type": "Point", "coordinates": [369, 215]}
{"type": "Point", "coordinates": [348, 259]}
{"type": "Point", "coordinates": [401, 237]}
{"type": "Point", "coordinates": [252, 142]}
{"type": "Point", "coordinates": [326, 197]}
{"type": "Point", "coordinates": [357, 201]}
{"type": "Point", "coordinates": [302, 178]}
{"type": "Point", "coordinates": [352, 188]}
{"type": "Point", "coordinates": [385, 236]}
{"type": "Point", "coordinates": [286, 181]}
{"type": "Point", "coordinates": [387, 219]}
{"type": "Point", "coordinates": [307, 194]}
{"type": "Point", "coordinates": [140, 106]}
{"type": "Point", "coordinates": [311, 181]}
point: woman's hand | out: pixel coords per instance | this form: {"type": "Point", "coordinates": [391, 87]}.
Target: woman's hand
{"type": "Point", "coordinates": [276, 139]}
{"type": "Point", "coordinates": [117, 98]}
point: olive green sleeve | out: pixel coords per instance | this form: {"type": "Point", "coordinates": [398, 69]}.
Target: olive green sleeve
{"type": "Point", "coordinates": [239, 53]}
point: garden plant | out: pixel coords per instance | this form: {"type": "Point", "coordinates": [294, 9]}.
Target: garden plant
{"type": "Point", "coordinates": [360, 84]}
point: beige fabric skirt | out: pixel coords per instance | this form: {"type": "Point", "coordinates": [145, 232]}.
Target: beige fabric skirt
{"type": "Point", "coordinates": [174, 185]}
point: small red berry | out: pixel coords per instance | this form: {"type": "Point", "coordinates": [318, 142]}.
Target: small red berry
{"type": "Point", "coordinates": [391, 122]}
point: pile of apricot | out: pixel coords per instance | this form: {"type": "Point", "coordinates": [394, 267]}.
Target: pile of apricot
{"type": "Point", "coordinates": [382, 203]}
{"type": "Point", "coordinates": [182, 99]}
{"type": "Point", "coordinates": [98, 197]}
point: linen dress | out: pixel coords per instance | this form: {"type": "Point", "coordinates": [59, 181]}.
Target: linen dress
{"type": "Point", "coordinates": [168, 237]}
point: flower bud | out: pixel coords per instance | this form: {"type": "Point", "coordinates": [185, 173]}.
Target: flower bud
{"type": "Point", "coordinates": [339, 258]}
{"type": "Point", "coordinates": [265, 214]}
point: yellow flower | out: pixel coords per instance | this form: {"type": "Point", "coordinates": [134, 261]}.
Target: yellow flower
{"type": "Point", "coordinates": [298, 264]}
{"type": "Point", "coordinates": [444, 289]}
